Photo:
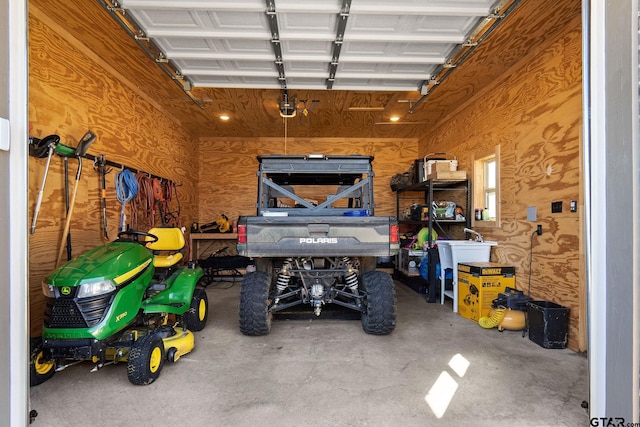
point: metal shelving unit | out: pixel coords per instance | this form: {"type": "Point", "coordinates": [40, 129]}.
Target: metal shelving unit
{"type": "Point", "coordinates": [458, 191]}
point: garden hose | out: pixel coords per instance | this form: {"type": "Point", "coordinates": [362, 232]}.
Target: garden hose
{"type": "Point", "coordinates": [494, 319]}
{"type": "Point", "coordinates": [126, 190]}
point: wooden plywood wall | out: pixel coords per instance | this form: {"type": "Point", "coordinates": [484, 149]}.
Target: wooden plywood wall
{"type": "Point", "coordinates": [535, 115]}
{"type": "Point", "coordinates": [228, 181]}
{"type": "Point", "coordinates": [71, 90]}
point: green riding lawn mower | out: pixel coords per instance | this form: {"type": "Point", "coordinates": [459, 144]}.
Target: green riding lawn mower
{"type": "Point", "coordinates": [129, 301]}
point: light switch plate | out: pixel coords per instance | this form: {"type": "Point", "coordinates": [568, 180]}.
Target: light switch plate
{"type": "Point", "coordinates": [532, 213]}
{"type": "Point", "coordinates": [573, 206]}
{"type": "Point", "coordinates": [4, 134]}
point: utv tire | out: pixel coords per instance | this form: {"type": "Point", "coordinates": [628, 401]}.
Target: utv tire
{"type": "Point", "coordinates": [367, 264]}
{"type": "Point", "coordinates": [255, 317]}
{"type": "Point", "coordinates": [145, 360]}
{"type": "Point", "coordinates": [40, 369]}
{"type": "Point", "coordinates": [379, 317]}
{"type": "Point", "coordinates": [195, 319]}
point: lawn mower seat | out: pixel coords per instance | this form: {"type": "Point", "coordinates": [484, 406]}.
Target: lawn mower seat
{"type": "Point", "coordinates": [168, 250]}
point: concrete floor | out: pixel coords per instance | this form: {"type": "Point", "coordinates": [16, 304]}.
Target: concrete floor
{"type": "Point", "coordinates": [328, 372]}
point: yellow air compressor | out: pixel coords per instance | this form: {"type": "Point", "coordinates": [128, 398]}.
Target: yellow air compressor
{"type": "Point", "coordinates": [504, 318]}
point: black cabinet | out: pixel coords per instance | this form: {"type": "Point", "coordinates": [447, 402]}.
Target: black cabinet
{"type": "Point", "coordinates": [427, 205]}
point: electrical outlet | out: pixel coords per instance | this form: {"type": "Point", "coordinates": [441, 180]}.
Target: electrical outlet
{"type": "Point", "coordinates": [556, 207]}
{"type": "Point", "coordinates": [539, 230]}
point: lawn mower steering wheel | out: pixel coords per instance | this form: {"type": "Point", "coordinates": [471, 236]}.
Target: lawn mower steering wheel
{"type": "Point", "coordinates": [135, 236]}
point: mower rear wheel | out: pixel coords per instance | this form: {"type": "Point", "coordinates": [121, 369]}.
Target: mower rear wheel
{"type": "Point", "coordinates": [145, 360]}
{"type": "Point", "coordinates": [195, 319]}
{"type": "Point", "coordinates": [40, 369]}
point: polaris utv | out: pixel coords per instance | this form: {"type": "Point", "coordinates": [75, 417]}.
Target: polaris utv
{"type": "Point", "coordinates": [315, 241]}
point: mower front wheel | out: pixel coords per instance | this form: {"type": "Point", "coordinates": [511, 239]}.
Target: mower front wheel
{"type": "Point", "coordinates": [145, 360]}
{"type": "Point", "coordinates": [40, 368]}
{"type": "Point", "coordinates": [195, 319]}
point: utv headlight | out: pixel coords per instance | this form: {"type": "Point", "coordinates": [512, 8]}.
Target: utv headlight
{"type": "Point", "coordinates": [48, 290]}
{"type": "Point", "coordinates": [95, 289]}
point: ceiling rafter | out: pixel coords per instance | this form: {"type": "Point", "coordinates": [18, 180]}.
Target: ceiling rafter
{"type": "Point", "coordinates": [343, 16]}
{"type": "Point", "coordinates": [275, 42]}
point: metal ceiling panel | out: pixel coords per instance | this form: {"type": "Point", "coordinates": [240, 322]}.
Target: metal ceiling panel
{"type": "Point", "coordinates": [385, 46]}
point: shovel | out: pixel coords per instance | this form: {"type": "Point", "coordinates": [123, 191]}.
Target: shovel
{"type": "Point", "coordinates": [101, 167]}
{"type": "Point", "coordinates": [80, 151]}
{"type": "Point", "coordinates": [65, 152]}
{"type": "Point", "coordinates": [49, 143]}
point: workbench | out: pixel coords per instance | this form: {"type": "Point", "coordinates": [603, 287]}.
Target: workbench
{"type": "Point", "coordinates": [215, 240]}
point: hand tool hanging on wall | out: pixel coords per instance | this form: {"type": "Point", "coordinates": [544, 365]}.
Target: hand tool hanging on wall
{"type": "Point", "coordinates": [144, 201]}
{"type": "Point", "coordinates": [100, 165]}
{"type": "Point", "coordinates": [158, 197]}
{"type": "Point", "coordinates": [170, 189]}
{"type": "Point", "coordinates": [66, 152]}
{"type": "Point", "coordinates": [126, 190]}
{"type": "Point", "coordinates": [66, 201]}
{"type": "Point", "coordinates": [80, 151]}
{"type": "Point", "coordinates": [41, 148]}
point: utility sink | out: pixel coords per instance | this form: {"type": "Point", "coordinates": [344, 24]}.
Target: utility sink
{"type": "Point", "coordinates": [454, 252]}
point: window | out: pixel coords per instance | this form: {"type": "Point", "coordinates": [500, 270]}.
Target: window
{"type": "Point", "coordinates": [490, 186]}
{"type": "Point", "coordinates": [486, 174]}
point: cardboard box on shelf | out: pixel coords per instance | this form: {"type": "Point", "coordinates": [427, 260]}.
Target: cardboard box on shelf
{"type": "Point", "coordinates": [447, 175]}
{"type": "Point", "coordinates": [431, 166]}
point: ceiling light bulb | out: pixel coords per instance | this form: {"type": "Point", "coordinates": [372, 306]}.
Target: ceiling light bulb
{"type": "Point", "coordinates": [224, 117]}
{"type": "Point", "coordinates": [394, 118]}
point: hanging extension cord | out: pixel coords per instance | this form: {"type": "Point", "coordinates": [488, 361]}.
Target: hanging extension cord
{"type": "Point", "coordinates": [126, 190]}
{"type": "Point", "coordinates": [539, 233]}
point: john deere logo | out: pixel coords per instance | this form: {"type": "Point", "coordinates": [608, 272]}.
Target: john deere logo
{"type": "Point", "coordinates": [65, 290]}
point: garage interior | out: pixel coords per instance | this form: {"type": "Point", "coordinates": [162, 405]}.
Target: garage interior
{"type": "Point", "coordinates": [155, 102]}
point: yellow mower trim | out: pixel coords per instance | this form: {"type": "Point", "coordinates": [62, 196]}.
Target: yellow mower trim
{"type": "Point", "coordinates": [183, 341]}
{"type": "Point", "coordinates": [131, 273]}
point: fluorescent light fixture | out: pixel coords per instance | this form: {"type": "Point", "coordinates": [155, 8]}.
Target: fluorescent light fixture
{"type": "Point", "coordinates": [400, 123]}
{"type": "Point", "coordinates": [365, 109]}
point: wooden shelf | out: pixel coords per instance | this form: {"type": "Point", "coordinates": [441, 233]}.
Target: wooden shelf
{"type": "Point", "coordinates": [213, 236]}
{"type": "Point", "coordinates": [196, 238]}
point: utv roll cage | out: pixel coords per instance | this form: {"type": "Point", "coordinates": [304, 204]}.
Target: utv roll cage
{"type": "Point", "coordinates": [292, 185]}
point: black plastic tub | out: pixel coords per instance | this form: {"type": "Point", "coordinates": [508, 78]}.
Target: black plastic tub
{"type": "Point", "coordinates": [548, 324]}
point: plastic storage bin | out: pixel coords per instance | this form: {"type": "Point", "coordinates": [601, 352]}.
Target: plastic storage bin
{"type": "Point", "coordinates": [548, 324]}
